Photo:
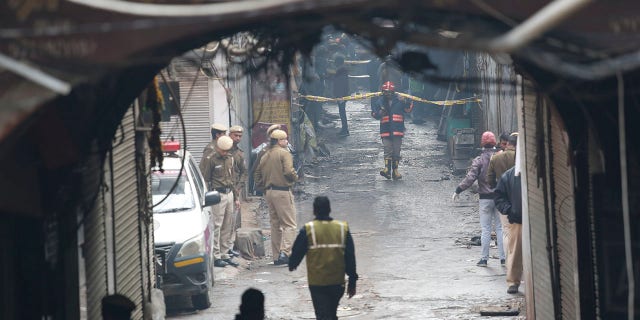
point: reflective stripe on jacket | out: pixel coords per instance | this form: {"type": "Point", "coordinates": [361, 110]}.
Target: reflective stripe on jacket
{"type": "Point", "coordinates": [390, 112]}
{"type": "Point", "coordinates": [325, 256]}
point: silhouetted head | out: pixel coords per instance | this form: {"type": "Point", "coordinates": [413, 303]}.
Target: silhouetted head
{"type": "Point", "coordinates": [117, 307]}
{"type": "Point", "coordinates": [321, 206]}
{"type": "Point", "coordinates": [252, 307]}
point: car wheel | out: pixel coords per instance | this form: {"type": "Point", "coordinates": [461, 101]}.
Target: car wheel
{"type": "Point", "coordinates": [201, 301]}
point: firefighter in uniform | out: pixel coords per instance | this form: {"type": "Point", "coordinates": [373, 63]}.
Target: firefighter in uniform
{"type": "Point", "coordinates": [330, 253]}
{"type": "Point", "coordinates": [240, 175]}
{"type": "Point", "coordinates": [390, 111]}
{"type": "Point", "coordinates": [218, 172]}
{"type": "Point", "coordinates": [217, 130]}
{"type": "Point", "coordinates": [276, 173]}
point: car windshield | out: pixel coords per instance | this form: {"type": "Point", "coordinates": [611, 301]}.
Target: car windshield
{"type": "Point", "coordinates": [180, 199]}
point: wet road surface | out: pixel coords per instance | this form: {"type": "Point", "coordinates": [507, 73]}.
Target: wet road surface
{"type": "Point", "coordinates": [412, 249]}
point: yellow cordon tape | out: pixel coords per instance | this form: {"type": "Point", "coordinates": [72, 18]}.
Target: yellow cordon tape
{"type": "Point", "coordinates": [404, 95]}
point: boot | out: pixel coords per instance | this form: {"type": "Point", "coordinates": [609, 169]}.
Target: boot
{"type": "Point", "coordinates": [387, 169]}
{"type": "Point", "coordinates": [396, 174]}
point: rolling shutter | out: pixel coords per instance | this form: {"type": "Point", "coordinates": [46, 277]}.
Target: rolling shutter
{"type": "Point", "coordinates": [195, 106]}
{"type": "Point", "coordinates": [565, 215]}
{"type": "Point", "coordinates": [534, 131]}
{"type": "Point", "coordinates": [94, 248]}
{"type": "Point", "coordinates": [128, 256]}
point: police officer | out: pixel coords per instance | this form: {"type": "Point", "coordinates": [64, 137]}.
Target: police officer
{"type": "Point", "coordinates": [276, 173]}
{"type": "Point", "coordinates": [330, 253]}
{"type": "Point", "coordinates": [390, 111]}
{"type": "Point", "coordinates": [217, 130]}
{"type": "Point", "coordinates": [264, 147]}
{"type": "Point", "coordinates": [240, 175]}
{"type": "Point", "coordinates": [218, 172]}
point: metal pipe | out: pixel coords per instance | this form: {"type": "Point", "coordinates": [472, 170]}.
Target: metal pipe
{"type": "Point", "coordinates": [624, 181]}
{"type": "Point", "coordinates": [546, 18]}
{"type": "Point", "coordinates": [593, 71]}
{"type": "Point", "coordinates": [185, 10]}
{"type": "Point", "coordinates": [34, 74]}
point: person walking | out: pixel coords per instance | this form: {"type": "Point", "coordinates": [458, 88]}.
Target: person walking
{"type": "Point", "coordinates": [276, 173]}
{"type": "Point", "coordinates": [341, 89]}
{"type": "Point", "coordinates": [488, 214]}
{"type": "Point", "coordinates": [330, 252]}
{"type": "Point", "coordinates": [240, 180]}
{"type": "Point", "coordinates": [219, 174]}
{"type": "Point", "coordinates": [509, 202]}
{"type": "Point", "coordinates": [499, 163]}
{"type": "Point", "coordinates": [390, 111]}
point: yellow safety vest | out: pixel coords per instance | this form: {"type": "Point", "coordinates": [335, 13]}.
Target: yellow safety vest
{"type": "Point", "coordinates": [325, 257]}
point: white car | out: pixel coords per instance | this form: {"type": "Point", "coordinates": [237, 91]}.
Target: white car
{"type": "Point", "coordinates": [183, 228]}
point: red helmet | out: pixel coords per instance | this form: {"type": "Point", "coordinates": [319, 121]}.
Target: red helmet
{"type": "Point", "coordinates": [388, 86]}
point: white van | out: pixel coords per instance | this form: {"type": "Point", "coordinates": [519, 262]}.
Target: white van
{"type": "Point", "coordinates": [183, 227]}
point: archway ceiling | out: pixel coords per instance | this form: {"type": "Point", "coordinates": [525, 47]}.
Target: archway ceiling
{"type": "Point", "coordinates": [78, 42]}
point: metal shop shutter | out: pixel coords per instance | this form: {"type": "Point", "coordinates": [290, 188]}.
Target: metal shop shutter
{"type": "Point", "coordinates": [128, 255]}
{"type": "Point", "coordinates": [196, 109]}
{"type": "Point", "coordinates": [94, 246]}
{"type": "Point", "coordinates": [95, 261]}
{"type": "Point", "coordinates": [534, 114]}
{"type": "Point", "coordinates": [563, 204]}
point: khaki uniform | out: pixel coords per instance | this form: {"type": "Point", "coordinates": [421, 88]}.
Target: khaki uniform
{"type": "Point", "coordinates": [208, 150]}
{"type": "Point", "coordinates": [276, 173]}
{"type": "Point", "coordinates": [218, 172]}
{"type": "Point", "coordinates": [239, 168]}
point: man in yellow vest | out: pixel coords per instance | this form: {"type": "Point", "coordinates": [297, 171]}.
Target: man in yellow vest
{"type": "Point", "coordinates": [330, 254]}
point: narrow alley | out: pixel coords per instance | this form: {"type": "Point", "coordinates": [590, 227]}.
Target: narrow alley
{"type": "Point", "coordinates": [412, 243]}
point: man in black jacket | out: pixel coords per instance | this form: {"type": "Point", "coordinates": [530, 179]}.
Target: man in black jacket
{"type": "Point", "coordinates": [508, 201]}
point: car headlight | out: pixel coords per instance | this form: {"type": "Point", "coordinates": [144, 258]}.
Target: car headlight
{"type": "Point", "coordinates": [192, 247]}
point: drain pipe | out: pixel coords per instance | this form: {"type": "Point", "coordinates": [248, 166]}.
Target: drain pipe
{"type": "Point", "coordinates": [546, 18]}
